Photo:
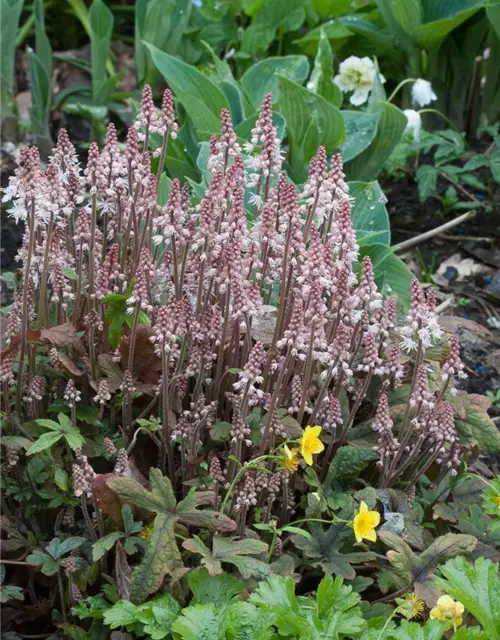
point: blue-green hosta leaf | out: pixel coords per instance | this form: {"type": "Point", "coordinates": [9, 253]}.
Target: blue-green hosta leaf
{"type": "Point", "coordinates": [391, 125]}
{"type": "Point", "coordinates": [321, 80]}
{"type": "Point", "coordinates": [234, 98]}
{"type": "Point", "coordinates": [477, 587]}
{"type": "Point", "coordinates": [310, 119]}
{"type": "Point", "coordinates": [336, 32]}
{"type": "Point", "coordinates": [269, 17]}
{"type": "Point", "coordinates": [199, 96]}
{"type": "Point", "coordinates": [11, 12]}
{"type": "Point", "coordinates": [370, 30]}
{"type": "Point", "coordinates": [262, 78]}
{"type": "Point", "coordinates": [493, 13]}
{"type": "Point", "coordinates": [101, 27]}
{"type": "Point", "coordinates": [403, 17]}
{"type": "Point", "coordinates": [440, 18]}
{"type": "Point", "coordinates": [369, 215]}
{"type": "Point", "coordinates": [161, 24]}
{"type": "Point", "coordinates": [244, 129]}
{"type": "Point", "coordinates": [360, 130]}
{"type": "Point", "coordinates": [42, 46]}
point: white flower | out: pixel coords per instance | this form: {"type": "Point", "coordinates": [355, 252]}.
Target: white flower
{"type": "Point", "coordinates": [414, 123]}
{"type": "Point", "coordinates": [422, 93]}
{"type": "Point", "coordinates": [358, 75]}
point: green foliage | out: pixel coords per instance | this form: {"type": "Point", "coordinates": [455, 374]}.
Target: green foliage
{"type": "Point", "coordinates": [159, 24]}
{"type": "Point", "coordinates": [8, 591]}
{"type": "Point", "coordinates": [101, 26]}
{"type": "Point", "coordinates": [63, 429]}
{"type": "Point", "coordinates": [162, 556]}
{"type": "Point", "coordinates": [11, 12]}
{"type": "Point", "coordinates": [51, 559]}
{"type": "Point", "coordinates": [477, 587]}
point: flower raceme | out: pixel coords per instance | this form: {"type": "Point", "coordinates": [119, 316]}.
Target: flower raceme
{"type": "Point", "coordinates": [365, 522]}
{"type": "Point", "coordinates": [187, 307]}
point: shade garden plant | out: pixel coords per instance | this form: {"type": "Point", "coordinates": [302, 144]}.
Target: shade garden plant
{"type": "Point", "coordinates": [214, 422]}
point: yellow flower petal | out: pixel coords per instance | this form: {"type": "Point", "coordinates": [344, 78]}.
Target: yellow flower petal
{"type": "Point", "coordinates": [307, 457]}
{"type": "Point", "coordinates": [444, 602]}
{"type": "Point", "coordinates": [314, 431]}
{"type": "Point", "coordinates": [371, 535]}
{"type": "Point", "coordinates": [365, 522]}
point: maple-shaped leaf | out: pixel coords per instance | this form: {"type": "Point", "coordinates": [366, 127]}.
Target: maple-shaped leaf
{"type": "Point", "coordinates": [240, 553]}
{"type": "Point", "coordinates": [162, 556]}
{"type": "Point", "coordinates": [329, 549]}
{"type": "Point", "coordinates": [418, 570]}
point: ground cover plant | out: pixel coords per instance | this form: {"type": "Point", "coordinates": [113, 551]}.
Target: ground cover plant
{"type": "Point", "coordinates": [214, 421]}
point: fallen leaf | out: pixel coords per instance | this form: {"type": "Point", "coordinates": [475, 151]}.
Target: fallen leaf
{"type": "Point", "coordinates": [263, 325]}
{"type": "Point", "coordinates": [68, 364]}
{"type": "Point", "coordinates": [64, 335]}
{"type": "Point", "coordinates": [456, 269]}
{"type": "Point", "coordinates": [107, 499]}
{"type": "Point", "coordinates": [111, 370]}
{"type": "Point", "coordinates": [292, 428]}
{"type": "Point", "coordinates": [453, 323]}
{"type": "Point", "coordinates": [145, 358]}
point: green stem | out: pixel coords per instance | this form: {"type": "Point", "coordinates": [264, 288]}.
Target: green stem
{"type": "Point", "coordinates": [401, 84]}
{"type": "Point", "coordinates": [438, 113]}
{"type": "Point", "coordinates": [247, 467]}
{"type": "Point", "coordinates": [381, 634]}
{"type": "Point", "coordinates": [61, 594]}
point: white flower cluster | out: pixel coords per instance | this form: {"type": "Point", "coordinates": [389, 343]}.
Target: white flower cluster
{"type": "Point", "coordinates": [357, 75]}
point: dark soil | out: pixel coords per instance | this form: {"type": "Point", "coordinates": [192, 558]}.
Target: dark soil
{"type": "Point", "coordinates": [477, 297]}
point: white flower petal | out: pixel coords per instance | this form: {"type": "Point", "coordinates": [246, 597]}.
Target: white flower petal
{"type": "Point", "coordinates": [422, 93]}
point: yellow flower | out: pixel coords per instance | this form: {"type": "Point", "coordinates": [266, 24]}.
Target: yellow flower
{"type": "Point", "coordinates": [290, 459]}
{"type": "Point", "coordinates": [365, 522]}
{"type": "Point", "coordinates": [410, 606]}
{"type": "Point", "coordinates": [449, 610]}
{"type": "Point", "coordinates": [497, 501]}
{"type": "Point", "coordinates": [310, 444]}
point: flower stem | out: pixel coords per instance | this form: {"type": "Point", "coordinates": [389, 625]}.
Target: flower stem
{"type": "Point", "coordinates": [400, 85]}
